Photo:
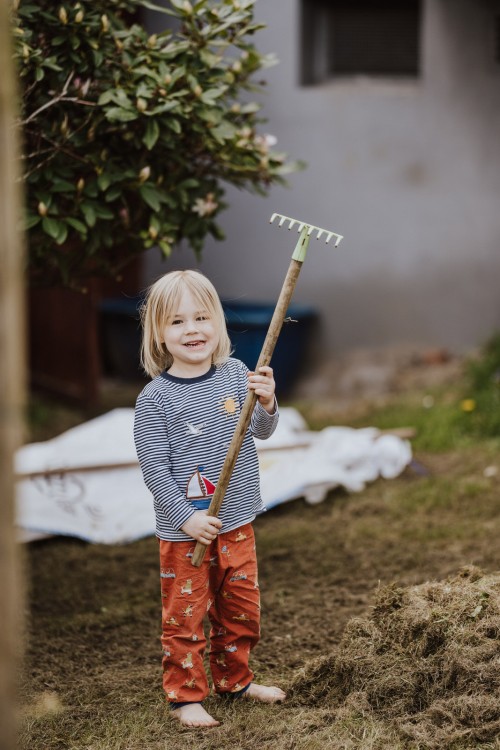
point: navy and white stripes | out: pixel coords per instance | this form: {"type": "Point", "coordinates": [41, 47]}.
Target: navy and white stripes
{"type": "Point", "coordinates": [182, 430]}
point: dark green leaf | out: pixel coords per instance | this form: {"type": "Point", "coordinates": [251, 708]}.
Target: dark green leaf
{"type": "Point", "coordinates": [91, 189]}
{"type": "Point", "coordinates": [25, 10]}
{"type": "Point", "coordinates": [50, 62]}
{"type": "Point", "coordinates": [165, 248]}
{"type": "Point", "coordinates": [117, 114]}
{"type": "Point", "coordinates": [145, 90]}
{"type": "Point", "coordinates": [31, 221]}
{"type": "Point", "coordinates": [210, 114]}
{"type": "Point", "coordinates": [76, 224]}
{"type": "Point", "coordinates": [103, 181]}
{"type": "Point", "coordinates": [174, 125]}
{"type": "Point", "coordinates": [224, 131]}
{"type": "Point", "coordinates": [159, 8]}
{"type": "Point", "coordinates": [165, 107]}
{"type": "Point", "coordinates": [152, 134]}
{"type": "Point", "coordinates": [116, 95]}
{"type": "Point", "coordinates": [142, 70]}
{"type": "Point", "coordinates": [103, 213]}
{"type": "Point", "coordinates": [151, 196]}
{"type": "Point", "coordinates": [216, 231]}
{"type": "Point", "coordinates": [52, 227]}
{"type": "Point", "coordinates": [209, 58]}
{"type": "Point", "coordinates": [113, 193]}
{"type": "Point", "coordinates": [63, 234]}
{"type": "Point", "coordinates": [250, 107]}
{"type": "Point", "coordinates": [89, 214]}
{"type": "Point", "coordinates": [98, 57]}
{"type": "Point", "coordinates": [175, 48]}
{"type": "Point", "coordinates": [210, 95]}
{"type": "Point", "coordinates": [179, 4]}
{"type": "Point", "coordinates": [62, 186]}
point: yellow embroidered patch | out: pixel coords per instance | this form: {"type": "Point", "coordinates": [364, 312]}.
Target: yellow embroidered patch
{"type": "Point", "coordinates": [229, 406]}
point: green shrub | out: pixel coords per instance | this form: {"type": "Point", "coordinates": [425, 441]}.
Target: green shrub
{"type": "Point", "coordinates": [130, 137]}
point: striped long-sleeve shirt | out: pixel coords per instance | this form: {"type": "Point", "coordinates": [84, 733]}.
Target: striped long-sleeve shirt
{"type": "Point", "coordinates": [182, 430]}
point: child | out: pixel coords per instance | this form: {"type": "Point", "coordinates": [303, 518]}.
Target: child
{"type": "Point", "coordinates": [185, 418]}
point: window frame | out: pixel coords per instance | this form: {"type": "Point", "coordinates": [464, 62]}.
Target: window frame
{"type": "Point", "coordinates": [317, 54]}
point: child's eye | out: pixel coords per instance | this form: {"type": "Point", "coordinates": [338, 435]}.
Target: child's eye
{"type": "Point", "coordinates": [176, 321]}
{"type": "Point", "coordinates": [202, 317]}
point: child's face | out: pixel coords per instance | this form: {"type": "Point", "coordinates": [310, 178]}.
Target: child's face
{"type": "Point", "coordinates": [191, 337]}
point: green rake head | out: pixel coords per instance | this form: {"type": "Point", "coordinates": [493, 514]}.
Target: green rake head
{"type": "Point", "coordinates": [306, 230]}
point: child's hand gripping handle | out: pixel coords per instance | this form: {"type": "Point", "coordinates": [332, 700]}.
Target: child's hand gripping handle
{"type": "Point", "coordinates": [249, 404]}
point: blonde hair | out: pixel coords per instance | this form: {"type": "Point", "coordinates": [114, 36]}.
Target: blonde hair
{"type": "Point", "coordinates": [161, 299]}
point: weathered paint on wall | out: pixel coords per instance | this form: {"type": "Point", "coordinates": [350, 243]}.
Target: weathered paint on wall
{"type": "Point", "coordinates": [408, 171]}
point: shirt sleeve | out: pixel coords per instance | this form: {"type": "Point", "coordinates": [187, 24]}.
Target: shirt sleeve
{"type": "Point", "coordinates": [262, 424]}
{"type": "Point", "coordinates": [153, 452]}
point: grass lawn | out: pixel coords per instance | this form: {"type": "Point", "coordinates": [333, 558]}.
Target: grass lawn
{"type": "Point", "coordinates": [92, 676]}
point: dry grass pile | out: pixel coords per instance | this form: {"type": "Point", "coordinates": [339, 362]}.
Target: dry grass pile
{"type": "Point", "coordinates": [427, 660]}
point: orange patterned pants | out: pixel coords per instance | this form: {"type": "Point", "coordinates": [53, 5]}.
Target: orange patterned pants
{"type": "Point", "coordinates": [225, 588]}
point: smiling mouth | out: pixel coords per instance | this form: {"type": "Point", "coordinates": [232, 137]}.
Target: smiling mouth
{"type": "Point", "coordinates": [194, 344]}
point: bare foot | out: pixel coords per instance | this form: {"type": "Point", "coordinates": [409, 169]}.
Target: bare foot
{"type": "Point", "coordinates": [194, 715]}
{"type": "Point", "coordinates": [264, 694]}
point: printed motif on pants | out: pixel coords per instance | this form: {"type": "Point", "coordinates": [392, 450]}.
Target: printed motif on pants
{"type": "Point", "coordinates": [226, 589]}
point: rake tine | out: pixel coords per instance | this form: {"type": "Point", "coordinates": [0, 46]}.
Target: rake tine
{"type": "Point", "coordinates": [302, 226]}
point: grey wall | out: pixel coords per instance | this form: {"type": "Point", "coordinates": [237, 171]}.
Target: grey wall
{"type": "Point", "coordinates": [408, 171]}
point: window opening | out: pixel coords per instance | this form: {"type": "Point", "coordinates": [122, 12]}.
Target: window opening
{"type": "Point", "coordinates": [359, 37]}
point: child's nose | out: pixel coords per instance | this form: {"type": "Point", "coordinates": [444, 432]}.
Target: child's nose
{"type": "Point", "coordinates": [192, 326]}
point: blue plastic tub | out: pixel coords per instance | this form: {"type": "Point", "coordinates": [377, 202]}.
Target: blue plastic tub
{"type": "Point", "coordinates": [247, 325]}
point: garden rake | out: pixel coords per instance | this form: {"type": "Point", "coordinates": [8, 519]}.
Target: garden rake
{"type": "Point", "coordinates": [306, 230]}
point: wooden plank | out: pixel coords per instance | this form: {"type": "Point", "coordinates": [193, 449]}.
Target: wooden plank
{"type": "Point", "coordinates": [12, 378]}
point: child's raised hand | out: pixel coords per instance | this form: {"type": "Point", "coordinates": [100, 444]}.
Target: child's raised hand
{"type": "Point", "coordinates": [202, 527]}
{"type": "Point", "coordinates": [264, 386]}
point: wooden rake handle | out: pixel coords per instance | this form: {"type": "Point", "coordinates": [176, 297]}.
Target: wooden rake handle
{"type": "Point", "coordinates": [249, 404]}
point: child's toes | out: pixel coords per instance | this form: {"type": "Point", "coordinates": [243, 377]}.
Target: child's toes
{"type": "Point", "coordinates": [264, 693]}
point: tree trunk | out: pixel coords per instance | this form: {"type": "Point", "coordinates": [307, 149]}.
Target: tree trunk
{"type": "Point", "coordinates": [12, 378]}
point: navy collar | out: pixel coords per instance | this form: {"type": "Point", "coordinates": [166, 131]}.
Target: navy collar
{"type": "Point", "coordinates": [197, 379]}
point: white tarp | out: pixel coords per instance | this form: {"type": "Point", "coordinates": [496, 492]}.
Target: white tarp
{"type": "Point", "coordinates": [87, 483]}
